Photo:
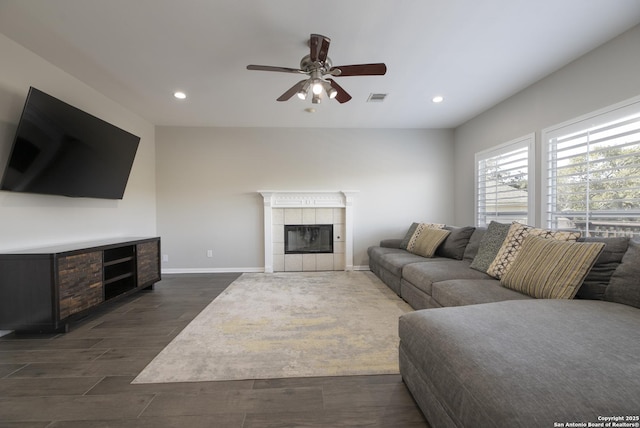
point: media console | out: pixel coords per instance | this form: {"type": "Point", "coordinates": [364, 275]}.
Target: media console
{"type": "Point", "coordinates": [44, 289]}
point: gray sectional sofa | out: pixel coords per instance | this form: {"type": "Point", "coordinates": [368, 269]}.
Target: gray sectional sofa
{"type": "Point", "coordinates": [478, 354]}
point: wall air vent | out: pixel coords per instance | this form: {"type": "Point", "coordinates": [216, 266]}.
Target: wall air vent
{"type": "Point", "coordinates": [376, 98]}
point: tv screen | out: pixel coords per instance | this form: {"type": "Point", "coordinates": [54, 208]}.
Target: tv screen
{"type": "Point", "coordinates": [61, 150]}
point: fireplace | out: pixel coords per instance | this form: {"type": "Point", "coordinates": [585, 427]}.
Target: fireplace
{"type": "Point", "coordinates": [305, 209]}
{"type": "Point", "coordinates": [308, 238]}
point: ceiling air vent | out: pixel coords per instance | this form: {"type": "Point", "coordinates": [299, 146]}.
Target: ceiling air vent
{"type": "Point", "coordinates": [376, 98]}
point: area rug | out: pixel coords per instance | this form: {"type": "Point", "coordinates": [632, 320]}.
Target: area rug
{"type": "Point", "coordinates": [281, 325]}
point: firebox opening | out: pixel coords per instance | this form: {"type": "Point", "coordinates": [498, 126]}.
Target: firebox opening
{"type": "Point", "coordinates": [308, 238]}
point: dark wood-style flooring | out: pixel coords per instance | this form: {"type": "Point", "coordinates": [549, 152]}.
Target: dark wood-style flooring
{"type": "Point", "coordinates": [82, 378]}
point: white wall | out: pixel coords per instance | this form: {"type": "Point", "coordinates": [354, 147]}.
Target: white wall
{"type": "Point", "coordinates": [603, 77]}
{"type": "Point", "coordinates": [35, 220]}
{"type": "Point", "coordinates": [208, 180]}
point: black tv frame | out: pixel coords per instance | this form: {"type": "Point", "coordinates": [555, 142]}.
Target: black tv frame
{"type": "Point", "coordinates": [59, 149]}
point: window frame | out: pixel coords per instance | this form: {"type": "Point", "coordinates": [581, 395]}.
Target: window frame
{"type": "Point", "coordinates": [581, 124]}
{"type": "Point", "coordinates": [527, 141]}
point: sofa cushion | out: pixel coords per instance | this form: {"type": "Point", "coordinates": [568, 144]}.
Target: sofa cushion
{"type": "Point", "coordinates": [412, 229]}
{"type": "Point", "coordinates": [460, 292]}
{"type": "Point", "coordinates": [525, 363]}
{"type": "Point", "coordinates": [392, 259]}
{"type": "Point", "coordinates": [426, 240]}
{"type": "Point", "coordinates": [474, 243]}
{"type": "Point", "coordinates": [624, 286]}
{"type": "Point", "coordinates": [512, 243]}
{"type": "Point", "coordinates": [489, 245]}
{"type": "Point", "coordinates": [376, 253]}
{"type": "Point", "coordinates": [422, 275]}
{"type": "Point", "coordinates": [415, 297]}
{"type": "Point", "coordinates": [595, 284]}
{"type": "Point", "coordinates": [550, 269]}
{"type": "Point", "coordinates": [455, 244]}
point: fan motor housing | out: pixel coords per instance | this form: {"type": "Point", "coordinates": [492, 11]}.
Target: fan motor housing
{"type": "Point", "coordinates": [308, 66]}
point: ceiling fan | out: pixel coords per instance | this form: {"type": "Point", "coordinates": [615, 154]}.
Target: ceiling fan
{"type": "Point", "coordinates": [317, 66]}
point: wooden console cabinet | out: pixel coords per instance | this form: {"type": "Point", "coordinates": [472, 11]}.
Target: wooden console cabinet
{"type": "Point", "coordinates": [43, 289]}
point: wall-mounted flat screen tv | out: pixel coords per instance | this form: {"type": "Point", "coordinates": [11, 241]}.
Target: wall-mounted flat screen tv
{"type": "Point", "coordinates": [61, 150]}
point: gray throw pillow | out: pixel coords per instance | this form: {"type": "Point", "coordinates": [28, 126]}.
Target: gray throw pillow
{"type": "Point", "coordinates": [598, 278]}
{"type": "Point", "coordinates": [409, 234]}
{"type": "Point", "coordinates": [490, 245]}
{"type": "Point", "coordinates": [454, 245]}
{"type": "Point", "coordinates": [474, 243]}
{"type": "Point", "coordinates": [624, 286]}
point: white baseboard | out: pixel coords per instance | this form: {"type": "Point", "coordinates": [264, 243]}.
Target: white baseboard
{"type": "Point", "coordinates": [169, 271]}
{"type": "Point", "coordinates": [213, 270]}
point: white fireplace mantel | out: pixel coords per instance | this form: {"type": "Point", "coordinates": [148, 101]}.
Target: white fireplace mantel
{"type": "Point", "coordinates": [307, 199]}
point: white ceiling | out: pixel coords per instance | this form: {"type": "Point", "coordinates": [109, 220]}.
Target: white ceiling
{"type": "Point", "coordinates": [474, 53]}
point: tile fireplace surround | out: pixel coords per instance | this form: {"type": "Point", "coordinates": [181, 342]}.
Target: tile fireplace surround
{"type": "Point", "coordinates": [307, 207]}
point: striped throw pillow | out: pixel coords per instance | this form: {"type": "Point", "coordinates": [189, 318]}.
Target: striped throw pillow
{"type": "Point", "coordinates": [412, 230]}
{"type": "Point", "coordinates": [550, 269]}
{"type": "Point", "coordinates": [512, 243]}
{"type": "Point", "coordinates": [426, 240]}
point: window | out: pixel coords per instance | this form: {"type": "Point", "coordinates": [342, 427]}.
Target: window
{"type": "Point", "coordinates": [504, 182]}
{"type": "Point", "coordinates": [593, 173]}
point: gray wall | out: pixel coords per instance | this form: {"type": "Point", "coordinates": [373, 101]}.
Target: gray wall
{"type": "Point", "coordinates": [205, 193]}
{"type": "Point", "coordinates": [604, 76]}
{"type": "Point", "coordinates": [36, 220]}
{"type": "Point", "coordinates": [208, 180]}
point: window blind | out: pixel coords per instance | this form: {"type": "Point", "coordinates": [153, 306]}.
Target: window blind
{"type": "Point", "coordinates": [593, 173]}
{"type": "Point", "coordinates": [504, 182]}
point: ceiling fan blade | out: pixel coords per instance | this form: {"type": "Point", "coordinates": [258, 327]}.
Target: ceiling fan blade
{"type": "Point", "coordinates": [319, 47]}
{"type": "Point", "coordinates": [292, 91]}
{"type": "Point", "coordinates": [271, 68]}
{"type": "Point", "coordinates": [377, 69]}
{"type": "Point", "coordinates": [342, 96]}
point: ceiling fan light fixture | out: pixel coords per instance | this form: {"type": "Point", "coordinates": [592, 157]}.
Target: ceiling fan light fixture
{"type": "Point", "coordinates": [318, 66]}
{"type": "Point", "coordinates": [302, 93]}
{"type": "Point", "coordinates": [330, 90]}
{"type": "Point", "coordinates": [317, 87]}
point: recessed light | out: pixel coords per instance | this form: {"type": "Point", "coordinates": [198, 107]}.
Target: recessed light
{"type": "Point", "coordinates": [437, 99]}
{"type": "Point", "coordinates": [180, 95]}
{"type": "Point", "coordinates": [310, 110]}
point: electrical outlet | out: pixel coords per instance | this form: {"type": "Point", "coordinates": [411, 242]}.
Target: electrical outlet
{"type": "Point", "coordinates": [165, 257]}
{"type": "Point", "coordinates": [209, 253]}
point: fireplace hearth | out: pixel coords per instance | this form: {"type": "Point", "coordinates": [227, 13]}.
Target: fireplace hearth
{"type": "Point", "coordinates": [308, 238]}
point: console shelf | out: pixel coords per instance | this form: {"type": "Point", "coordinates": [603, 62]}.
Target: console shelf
{"type": "Point", "coordinates": [118, 261]}
{"type": "Point", "coordinates": [44, 289]}
{"type": "Point", "coordinates": [118, 278]}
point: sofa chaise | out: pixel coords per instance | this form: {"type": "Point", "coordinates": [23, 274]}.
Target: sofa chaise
{"type": "Point", "coordinates": [480, 351]}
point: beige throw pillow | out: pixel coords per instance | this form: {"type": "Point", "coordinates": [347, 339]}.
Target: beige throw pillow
{"type": "Point", "coordinates": [511, 246]}
{"type": "Point", "coordinates": [551, 269]}
{"type": "Point", "coordinates": [412, 229]}
{"type": "Point", "coordinates": [426, 240]}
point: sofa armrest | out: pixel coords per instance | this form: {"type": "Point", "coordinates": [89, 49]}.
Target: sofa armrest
{"type": "Point", "coordinates": [391, 243]}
